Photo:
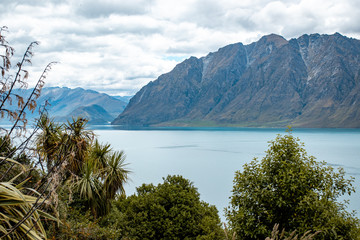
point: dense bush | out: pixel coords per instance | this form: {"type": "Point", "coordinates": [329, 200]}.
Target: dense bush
{"type": "Point", "coordinates": [290, 188]}
{"type": "Point", "coordinates": [171, 210]}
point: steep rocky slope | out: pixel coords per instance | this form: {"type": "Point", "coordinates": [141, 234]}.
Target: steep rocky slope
{"type": "Point", "coordinates": [311, 81]}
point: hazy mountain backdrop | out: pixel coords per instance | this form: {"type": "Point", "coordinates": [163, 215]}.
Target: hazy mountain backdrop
{"type": "Point", "coordinates": [65, 103]}
{"type": "Point", "coordinates": [311, 81]}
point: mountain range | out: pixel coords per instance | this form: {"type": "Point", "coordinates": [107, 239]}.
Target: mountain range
{"type": "Point", "coordinates": [65, 103]}
{"type": "Point", "coordinates": [310, 81]}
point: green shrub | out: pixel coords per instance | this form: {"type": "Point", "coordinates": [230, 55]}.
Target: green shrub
{"type": "Point", "coordinates": [290, 188]}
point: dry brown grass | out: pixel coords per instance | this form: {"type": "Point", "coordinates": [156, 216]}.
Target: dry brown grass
{"type": "Point", "coordinates": [276, 235]}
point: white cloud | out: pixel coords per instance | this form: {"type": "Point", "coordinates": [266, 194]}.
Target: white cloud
{"type": "Point", "coordinates": [119, 46]}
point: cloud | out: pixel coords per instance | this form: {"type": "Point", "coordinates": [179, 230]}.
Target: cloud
{"type": "Point", "coordinates": [119, 46]}
{"type": "Point", "coordinates": [306, 16]}
{"type": "Point", "coordinates": [96, 9]}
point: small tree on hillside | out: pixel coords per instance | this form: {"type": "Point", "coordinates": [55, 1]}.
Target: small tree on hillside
{"type": "Point", "coordinates": [290, 188]}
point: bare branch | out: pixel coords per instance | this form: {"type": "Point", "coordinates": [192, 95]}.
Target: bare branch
{"type": "Point", "coordinates": [31, 102]}
{"type": "Point", "coordinates": [20, 65]}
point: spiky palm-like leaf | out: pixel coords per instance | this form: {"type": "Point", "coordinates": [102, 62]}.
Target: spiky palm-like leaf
{"type": "Point", "coordinates": [99, 153]}
{"type": "Point", "coordinates": [88, 184]}
{"type": "Point", "coordinates": [89, 187]}
{"type": "Point", "coordinates": [116, 174]}
{"type": "Point", "coordinates": [48, 142]}
{"type": "Point", "coordinates": [14, 206]}
{"type": "Point", "coordinates": [77, 145]}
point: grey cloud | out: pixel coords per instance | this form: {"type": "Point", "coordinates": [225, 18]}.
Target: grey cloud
{"type": "Point", "coordinates": [182, 49]}
{"type": "Point", "coordinates": [244, 23]}
{"type": "Point", "coordinates": [240, 19]}
{"type": "Point", "coordinates": [352, 27]}
{"type": "Point", "coordinates": [195, 49]}
{"type": "Point", "coordinates": [30, 3]}
{"type": "Point", "coordinates": [21, 40]}
{"type": "Point", "coordinates": [108, 28]}
{"type": "Point", "coordinates": [209, 13]}
{"type": "Point", "coordinates": [128, 28]}
{"type": "Point", "coordinates": [139, 30]}
{"type": "Point", "coordinates": [350, 23]}
{"type": "Point", "coordinates": [298, 29]}
{"type": "Point", "coordinates": [215, 15]}
{"type": "Point", "coordinates": [149, 76]}
{"type": "Point", "coordinates": [205, 13]}
{"type": "Point", "coordinates": [96, 8]}
{"type": "Point", "coordinates": [9, 6]}
{"type": "Point", "coordinates": [63, 43]}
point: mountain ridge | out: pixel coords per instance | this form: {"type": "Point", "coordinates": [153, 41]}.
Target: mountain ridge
{"type": "Point", "coordinates": [65, 103]}
{"type": "Point", "coordinates": [310, 81]}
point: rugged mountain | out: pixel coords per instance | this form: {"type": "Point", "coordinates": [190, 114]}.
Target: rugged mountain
{"type": "Point", "coordinates": [65, 103]}
{"type": "Point", "coordinates": [311, 81]}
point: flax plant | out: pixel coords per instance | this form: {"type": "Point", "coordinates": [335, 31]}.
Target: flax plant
{"type": "Point", "coordinates": [14, 209]}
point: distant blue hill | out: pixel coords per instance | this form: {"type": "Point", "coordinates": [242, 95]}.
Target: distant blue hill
{"type": "Point", "coordinates": [66, 103]}
{"type": "Point", "coordinates": [123, 98]}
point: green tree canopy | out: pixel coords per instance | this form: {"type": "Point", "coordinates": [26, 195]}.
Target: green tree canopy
{"type": "Point", "coordinates": [290, 188]}
{"type": "Point", "coordinates": [171, 210]}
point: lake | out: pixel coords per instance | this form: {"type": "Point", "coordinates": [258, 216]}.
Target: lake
{"type": "Point", "coordinates": [209, 157]}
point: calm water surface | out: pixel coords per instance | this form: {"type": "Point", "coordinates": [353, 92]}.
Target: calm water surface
{"type": "Point", "coordinates": [210, 157]}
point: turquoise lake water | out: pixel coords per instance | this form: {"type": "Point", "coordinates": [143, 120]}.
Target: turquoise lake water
{"type": "Point", "coordinates": [209, 157]}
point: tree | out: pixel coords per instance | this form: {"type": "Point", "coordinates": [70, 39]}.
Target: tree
{"type": "Point", "coordinates": [171, 210]}
{"type": "Point", "coordinates": [78, 141]}
{"type": "Point", "coordinates": [48, 142]}
{"type": "Point", "coordinates": [92, 174]}
{"type": "Point", "coordinates": [290, 188]}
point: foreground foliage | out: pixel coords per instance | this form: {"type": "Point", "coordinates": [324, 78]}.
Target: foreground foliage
{"type": "Point", "coordinates": [21, 197]}
{"type": "Point", "coordinates": [17, 199]}
{"type": "Point", "coordinates": [290, 188]}
{"type": "Point", "coordinates": [90, 175]}
{"type": "Point", "coordinates": [171, 210]}
{"type": "Point", "coordinates": [14, 207]}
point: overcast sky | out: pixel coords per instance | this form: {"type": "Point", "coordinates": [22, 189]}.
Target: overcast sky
{"type": "Point", "coordinates": [118, 46]}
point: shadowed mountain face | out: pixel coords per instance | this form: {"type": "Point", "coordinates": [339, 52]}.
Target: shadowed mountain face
{"type": "Point", "coordinates": [94, 113]}
{"type": "Point", "coordinates": [311, 81]}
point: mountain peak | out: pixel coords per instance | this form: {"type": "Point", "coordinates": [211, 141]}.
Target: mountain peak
{"type": "Point", "coordinates": [274, 39]}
